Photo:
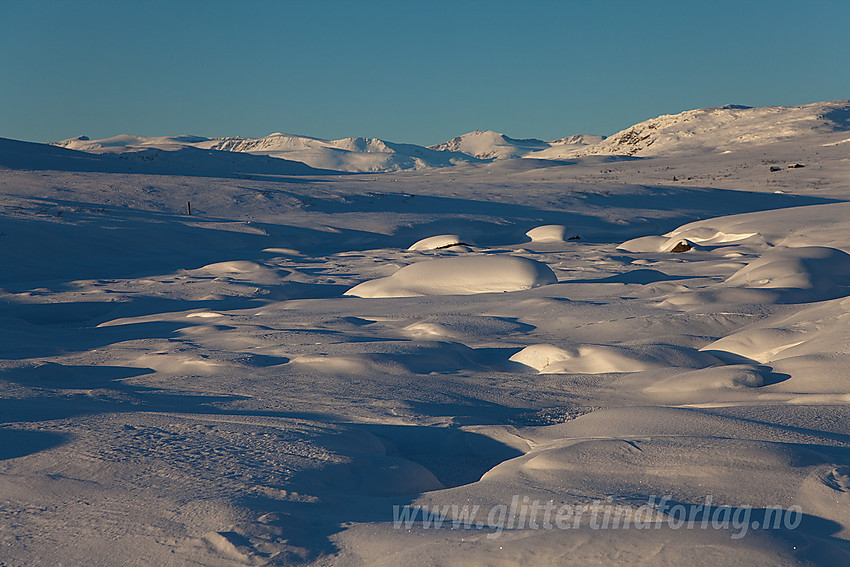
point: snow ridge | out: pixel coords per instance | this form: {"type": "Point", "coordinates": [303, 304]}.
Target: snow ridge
{"type": "Point", "coordinates": [723, 128]}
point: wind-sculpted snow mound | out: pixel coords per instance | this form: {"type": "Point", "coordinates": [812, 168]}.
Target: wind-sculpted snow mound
{"type": "Point", "coordinates": [656, 244]}
{"type": "Point", "coordinates": [601, 359]}
{"type": "Point", "coordinates": [437, 242]}
{"type": "Point", "coordinates": [813, 225]}
{"type": "Point", "coordinates": [681, 241]}
{"type": "Point", "coordinates": [805, 352]}
{"type": "Point", "coordinates": [459, 276]}
{"type": "Point", "coordinates": [548, 233]}
{"type": "Point", "coordinates": [731, 376]}
{"type": "Point", "coordinates": [240, 270]}
{"type": "Point", "coordinates": [816, 268]}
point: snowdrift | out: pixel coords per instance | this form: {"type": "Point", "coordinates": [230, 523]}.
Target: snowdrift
{"type": "Point", "coordinates": [437, 242]}
{"type": "Point", "coordinates": [820, 269]}
{"type": "Point", "coordinates": [547, 233]}
{"type": "Point", "coordinates": [459, 276]}
{"type": "Point", "coordinates": [601, 359]}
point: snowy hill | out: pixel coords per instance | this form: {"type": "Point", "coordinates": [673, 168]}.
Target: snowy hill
{"type": "Point", "coordinates": [347, 154]}
{"type": "Point", "coordinates": [181, 160]}
{"type": "Point", "coordinates": [723, 128]}
{"type": "Point", "coordinates": [125, 142]}
{"type": "Point", "coordinates": [488, 145]}
{"type": "Point", "coordinates": [493, 145]}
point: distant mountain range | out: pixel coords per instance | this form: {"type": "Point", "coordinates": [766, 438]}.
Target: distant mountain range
{"type": "Point", "coordinates": [350, 154]}
{"type": "Point", "coordinates": [716, 129]}
{"type": "Point", "coordinates": [347, 154]}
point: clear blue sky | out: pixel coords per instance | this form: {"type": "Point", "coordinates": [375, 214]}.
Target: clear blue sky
{"type": "Point", "coordinates": [419, 72]}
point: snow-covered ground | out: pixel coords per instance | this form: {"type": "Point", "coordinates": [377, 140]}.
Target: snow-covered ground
{"type": "Point", "coordinates": [613, 360]}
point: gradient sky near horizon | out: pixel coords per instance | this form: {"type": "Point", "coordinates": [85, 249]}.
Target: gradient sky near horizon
{"type": "Point", "coordinates": [417, 72]}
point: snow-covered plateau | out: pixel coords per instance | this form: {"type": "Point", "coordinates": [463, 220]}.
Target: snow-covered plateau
{"type": "Point", "coordinates": [285, 351]}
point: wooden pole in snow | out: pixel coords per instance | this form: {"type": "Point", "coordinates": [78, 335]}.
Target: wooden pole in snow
{"type": "Point", "coordinates": [188, 208]}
